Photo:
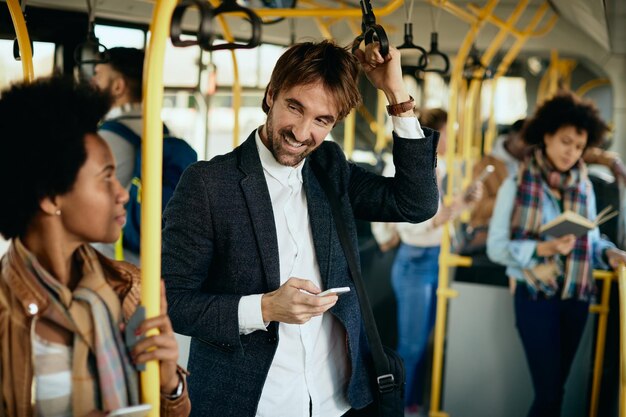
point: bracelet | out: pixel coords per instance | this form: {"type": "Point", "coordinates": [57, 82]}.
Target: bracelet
{"type": "Point", "coordinates": [179, 390]}
{"type": "Point", "coordinates": [399, 108]}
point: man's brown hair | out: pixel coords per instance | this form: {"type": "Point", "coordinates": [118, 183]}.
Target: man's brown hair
{"type": "Point", "coordinates": [325, 62]}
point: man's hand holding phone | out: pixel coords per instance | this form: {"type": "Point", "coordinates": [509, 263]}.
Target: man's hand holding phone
{"type": "Point", "coordinates": [296, 302]}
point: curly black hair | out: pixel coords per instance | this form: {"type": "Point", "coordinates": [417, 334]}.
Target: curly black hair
{"type": "Point", "coordinates": [42, 145]}
{"type": "Point", "coordinates": [565, 109]}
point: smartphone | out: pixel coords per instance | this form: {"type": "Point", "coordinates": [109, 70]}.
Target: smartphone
{"type": "Point", "coordinates": [140, 410]}
{"type": "Point", "coordinates": [338, 290]}
{"type": "Point", "coordinates": [130, 337]}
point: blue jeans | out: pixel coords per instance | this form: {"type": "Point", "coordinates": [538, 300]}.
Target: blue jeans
{"type": "Point", "coordinates": [414, 278]}
{"type": "Point", "coordinates": [550, 330]}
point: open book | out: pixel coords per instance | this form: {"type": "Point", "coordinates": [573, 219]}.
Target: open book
{"type": "Point", "coordinates": [573, 223]}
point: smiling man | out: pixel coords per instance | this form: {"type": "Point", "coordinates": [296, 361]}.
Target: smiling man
{"type": "Point", "coordinates": [246, 232]}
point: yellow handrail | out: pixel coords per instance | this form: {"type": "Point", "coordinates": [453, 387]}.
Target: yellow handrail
{"type": "Point", "coordinates": [590, 85]}
{"type": "Point", "coordinates": [381, 136]}
{"type": "Point", "coordinates": [603, 311]}
{"type": "Point", "coordinates": [472, 108]}
{"type": "Point", "coordinates": [322, 12]}
{"type": "Point", "coordinates": [349, 125]}
{"type": "Point", "coordinates": [151, 173]}
{"type": "Point", "coordinates": [443, 291]}
{"type": "Point", "coordinates": [622, 331]}
{"type": "Point", "coordinates": [23, 40]}
{"type": "Point", "coordinates": [236, 81]}
{"type": "Point", "coordinates": [508, 59]}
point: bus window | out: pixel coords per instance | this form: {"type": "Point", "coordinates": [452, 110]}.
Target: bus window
{"type": "Point", "coordinates": [251, 72]}
{"type": "Point", "coordinates": [181, 66]}
{"type": "Point", "coordinates": [11, 70]}
{"type": "Point", "coordinates": [112, 36]}
{"type": "Point", "coordinates": [222, 119]}
{"type": "Point", "coordinates": [436, 91]}
{"type": "Point", "coordinates": [184, 114]}
{"type": "Point", "coordinates": [510, 100]}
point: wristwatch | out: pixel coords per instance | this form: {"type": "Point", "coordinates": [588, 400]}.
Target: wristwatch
{"type": "Point", "coordinates": [179, 390]}
{"type": "Point", "coordinates": [399, 108]}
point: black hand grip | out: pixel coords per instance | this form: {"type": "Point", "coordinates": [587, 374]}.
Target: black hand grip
{"type": "Point", "coordinates": [230, 6]}
{"type": "Point", "coordinates": [371, 31]}
{"type": "Point", "coordinates": [422, 61]}
{"type": "Point", "coordinates": [434, 51]}
{"type": "Point", "coordinates": [204, 35]}
{"type": "Point", "coordinates": [377, 33]}
{"type": "Point", "coordinates": [16, 49]}
{"type": "Point", "coordinates": [88, 52]}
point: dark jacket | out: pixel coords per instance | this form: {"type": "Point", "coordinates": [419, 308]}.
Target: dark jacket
{"type": "Point", "coordinates": [220, 243]}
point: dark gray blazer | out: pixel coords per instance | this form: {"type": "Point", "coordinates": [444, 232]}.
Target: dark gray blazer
{"type": "Point", "coordinates": [219, 243]}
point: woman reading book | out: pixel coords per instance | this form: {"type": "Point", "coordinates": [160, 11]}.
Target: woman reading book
{"type": "Point", "coordinates": [553, 275]}
{"type": "Point", "coordinates": [62, 304]}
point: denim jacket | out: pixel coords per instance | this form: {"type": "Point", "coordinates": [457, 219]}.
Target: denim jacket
{"type": "Point", "coordinates": [518, 254]}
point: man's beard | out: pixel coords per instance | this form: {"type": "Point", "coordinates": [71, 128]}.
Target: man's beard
{"type": "Point", "coordinates": [276, 144]}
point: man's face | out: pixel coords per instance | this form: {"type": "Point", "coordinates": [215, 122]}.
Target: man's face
{"type": "Point", "coordinates": [298, 121]}
{"type": "Point", "coordinates": [103, 77]}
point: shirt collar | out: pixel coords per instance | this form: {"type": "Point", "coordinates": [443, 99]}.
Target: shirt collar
{"type": "Point", "coordinates": [270, 165]}
{"type": "Point", "coordinates": [128, 109]}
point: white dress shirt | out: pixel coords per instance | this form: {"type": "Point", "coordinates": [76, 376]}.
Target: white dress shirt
{"type": "Point", "coordinates": [310, 367]}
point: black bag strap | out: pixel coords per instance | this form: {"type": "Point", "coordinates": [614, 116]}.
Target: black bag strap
{"type": "Point", "coordinates": [384, 376]}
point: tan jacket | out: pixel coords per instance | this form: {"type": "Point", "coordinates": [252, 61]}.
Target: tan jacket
{"type": "Point", "coordinates": [20, 304]}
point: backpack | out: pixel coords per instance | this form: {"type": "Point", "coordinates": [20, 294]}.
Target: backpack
{"type": "Point", "coordinates": [177, 156]}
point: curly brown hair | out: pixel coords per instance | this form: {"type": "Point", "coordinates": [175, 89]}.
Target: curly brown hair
{"type": "Point", "coordinates": [565, 109]}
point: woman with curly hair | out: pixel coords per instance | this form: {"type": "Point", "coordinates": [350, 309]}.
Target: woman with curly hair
{"type": "Point", "coordinates": [553, 275]}
{"type": "Point", "coordinates": [62, 304]}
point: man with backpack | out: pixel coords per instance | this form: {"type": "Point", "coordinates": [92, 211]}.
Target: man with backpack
{"type": "Point", "coordinates": [121, 75]}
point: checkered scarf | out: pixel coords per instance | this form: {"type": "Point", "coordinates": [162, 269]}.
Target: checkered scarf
{"type": "Point", "coordinates": [533, 175]}
{"type": "Point", "coordinates": [92, 313]}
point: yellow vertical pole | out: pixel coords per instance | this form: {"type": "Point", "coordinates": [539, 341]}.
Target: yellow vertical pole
{"type": "Point", "coordinates": [236, 81]}
{"type": "Point", "coordinates": [348, 133]}
{"type": "Point", "coordinates": [472, 120]}
{"type": "Point", "coordinates": [603, 316]}
{"type": "Point", "coordinates": [23, 40]}
{"type": "Point", "coordinates": [381, 134]}
{"type": "Point", "coordinates": [443, 290]}
{"type": "Point", "coordinates": [151, 174]}
{"type": "Point", "coordinates": [512, 52]}
{"type": "Point", "coordinates": [622, 331]}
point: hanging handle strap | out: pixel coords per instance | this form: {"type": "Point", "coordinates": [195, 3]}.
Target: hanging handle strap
{"type": "Point", "coordinates": [204, 34]}
{"type": "Point", "coordinates": [434, 51]}
{"type": "Point", "coordinates": [231, 6]}
{"type": "Point", "coordinates": [371, 31]}
{"type": "Point", "coordinates": [422, 60]}
{"type": "Point", "coordinates": [384, 377]}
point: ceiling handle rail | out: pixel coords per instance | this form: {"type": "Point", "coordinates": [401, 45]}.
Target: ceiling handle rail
{"type": "Point", "coordinates": [370, 30]}
{"type": "Point", "coordinates": [23, 40]}
{"type": "Point", "coordinates": [496, 21]}
{"type": "Point", "coordinates": [386, 10]}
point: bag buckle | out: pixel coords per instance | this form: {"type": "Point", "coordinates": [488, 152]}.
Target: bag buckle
{"type": "Point", "coordinates": [386, 383]}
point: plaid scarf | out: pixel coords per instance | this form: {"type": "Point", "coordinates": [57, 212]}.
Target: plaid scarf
{"type": "Point", "coordinates": [93, 313]}
{"type": "Point", "coordinates": [526, 220]}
